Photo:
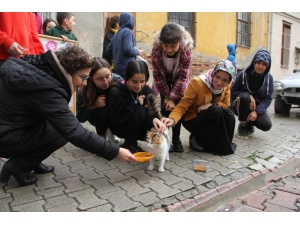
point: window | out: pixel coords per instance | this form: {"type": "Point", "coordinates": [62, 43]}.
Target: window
{"type": "Point", "coordinates": [285, 46]}
{"type": "Point", "coordinates": [185, 19]}
{"type": "Point", "coordinates": [243, 29]}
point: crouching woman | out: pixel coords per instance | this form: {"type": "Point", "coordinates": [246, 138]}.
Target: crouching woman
{"type": "Point", "coordinates": [205, 112]}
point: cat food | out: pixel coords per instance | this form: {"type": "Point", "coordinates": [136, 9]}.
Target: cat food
{"type": "Point", "coordinates": [143, 156]}
{"type": "Point", "coordinates": [200, 165]}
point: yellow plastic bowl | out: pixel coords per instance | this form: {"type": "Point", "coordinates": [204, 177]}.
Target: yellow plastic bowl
{"type": "Point", "coordinates": [143, 156]}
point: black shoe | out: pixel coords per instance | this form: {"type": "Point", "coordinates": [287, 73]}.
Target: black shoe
{"type": "Point", "coordinates": [42, 169]}
{"type": "Point", "coordinates": [243, 130]}
{"type": "Point", "coordinates": [11, 167]}
{"type": "Point", "coordinates": [176, 147]}
{"type": "Point", "coordinates": [194, 145]}
{"type": "Point", "coordinates": [134, 148]}
{"type": "Point", "coordinates": [250, 129]}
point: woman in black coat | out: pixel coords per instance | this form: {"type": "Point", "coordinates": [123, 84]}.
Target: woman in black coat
{"type": "Point", "coordinates": [35, 119]}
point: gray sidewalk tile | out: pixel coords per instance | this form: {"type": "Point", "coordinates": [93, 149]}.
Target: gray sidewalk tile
{"type": "Point", "coordinates": [102, 186]}
{"type": "Point", "coordinates": [36, 206]}
{"type": "Point", "coordinates": [22, 195]}
{"type": "Point", "coordinates": [74, 184]}
{"type": "Point", "coordinates": [58, 201]}
{"type": "Point", "coordinates": [161, 189]}
{"type": "Point", "coordinates": [131, 187]}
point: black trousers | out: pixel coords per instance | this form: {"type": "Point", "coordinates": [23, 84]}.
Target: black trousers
{"type": "Point", "coordinates": [213, 129]}
{"type": "Point", "coordinates": [165, 113]}
{"type": "Point", "coordinates": [100, 120]}
{"type": "Point", "coordinates": [29, 147]}
{"type": "Point", "coordinates": [241, 108]}
{"type": "Point", "coordinates": [135, 129]}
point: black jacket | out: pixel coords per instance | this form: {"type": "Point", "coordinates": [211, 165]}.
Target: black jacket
{"type": "Point", "coordinates": [36, 89]}
{"type": "Point", "coordinates": [107, 39]}
{"type": "Point", "coordinates": [121, 104]}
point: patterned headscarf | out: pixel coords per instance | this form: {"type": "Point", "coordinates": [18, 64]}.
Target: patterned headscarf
{"type": "Point", "coordinates": [224, 65]}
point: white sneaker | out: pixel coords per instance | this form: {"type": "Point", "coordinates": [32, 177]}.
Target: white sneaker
{"type": "Point", "coordinates": [111, 137]}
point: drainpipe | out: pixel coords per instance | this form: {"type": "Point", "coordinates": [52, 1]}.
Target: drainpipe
{"type": "Point", "coordinates": [270, 31]}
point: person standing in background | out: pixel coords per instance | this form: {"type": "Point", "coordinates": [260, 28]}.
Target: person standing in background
{"type": "Point", "coordinates": [39, 22]}
{"type": "Point", "coordinates": [48, 23]}
{"type": "Point", "coordinates": [112, 26]}
{"type": "Point", "coordinates": [18, 35]}
{"type": "Point", "coordinates": [121, 48]}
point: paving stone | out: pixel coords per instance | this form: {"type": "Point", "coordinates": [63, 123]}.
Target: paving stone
{"type": "Point", "coordinates": [183, 186]}
{"type": "Point", "coordinates": [79, 153]}
{"type": "Point", "coordinates": [188, 204]}
{"type": "Point", "coordinates": [276, 208]}
{"type": "Point", "coordinates": [177, 207]}
{"type": "Point", "coordinates": [72, 207]}
{"type": "Point", "coordinates": [169, 178]}
{"type": "Point", "coordinates": [284, 199]}
{"type": "Point", "coordinates": [102, 186]}
{"type": "Point", "coordinates": [131, 187]}
{"type": "Point", "coordinates": [77, 165]}
{"type": "Point", "coordinates": [255, 200]}
{"type": "Point", "coordinates": [236, 158]}
{"type": "Point", "coordinates": [223, 161]}
{"type": "Point", "coordinates": [211, 174]}
{"type": "Point", "coordinates": [120, 201]}
{"type": "Point", "coordinates": [4, 207]}
{"type": "Point", "coordinates": [146, 199]}
{"type": "Point", "coordinates": [3, 194]}
{"type": "Point", "coordinates": [195, 177]}
{"type": "Point", "coordinates": [51, 192]}
{"type": "Point", "coordinates": [126, 167]}
{"type": "Point", "coordinates": [89, 174]}
{"type": "Point", "coordinates": [222, 169]}
{"type": "Point", "coordinates": [115, 176]}
{"type": "Point", "coordinates": [46, 181]}
{"type": "Point", "coordinates": [36, 206]}
{"type": "Point", "coordinates": [161, 189]}
{"type": "Point", "coordinates": [142, 177]}
{"type": "Point", "coordinates": [74, 184]}
{"type": "Point", "coordinates": [63, 173]}
{"type": "Point", "coordinates": [257, 166]}
{"type": "Point", "coordinates": [102, 208]}
{"type": "Point", "coordinates": [221, 180]}
{"type": "Point", "coordinates": [177, 169]}
{"type": "Point", "coordinates": [266, 163]}
{"type": "Point", "coordinates": [23, 195]}
{"type": "Point", "coordinates": [58, 201]}
{"type": "Point", "coordinates": [87, 199]}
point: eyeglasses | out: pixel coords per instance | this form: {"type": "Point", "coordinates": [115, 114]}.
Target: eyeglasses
{"type": "Point", "coordinates": [222, 80]}
{"type": "Point", "coordinates": [84, 79]}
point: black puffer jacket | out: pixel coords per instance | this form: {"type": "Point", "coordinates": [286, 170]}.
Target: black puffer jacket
{"type": "Point", "coordinates": [36, 89]}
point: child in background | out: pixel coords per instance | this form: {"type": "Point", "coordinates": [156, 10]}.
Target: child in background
{"type": "Point", "coordinates": [171, 60]}
{"type": "Point", "coordinates": [112, 26]}
{"type": "Point", "coordinates": [48, 23]}
{"type": "Point", "coordinates": [66, 23]}
{"type": "Point", "coordinates": [121, 48]}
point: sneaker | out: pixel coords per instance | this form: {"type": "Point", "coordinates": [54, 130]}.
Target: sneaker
{"type": "Point", "coordinates": [111, 137]}
{"type": "Point", "coordinates": [243, 130]}
{"type": "Point", "coordinates": [250, 129]}
{"type": "Point", "coordinates": [194, 145]}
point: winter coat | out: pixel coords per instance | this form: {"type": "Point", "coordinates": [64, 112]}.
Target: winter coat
{"type": "Point", "coordinates": [121, 48]}
{"type": "Point", "coordinates": [181, 75]}
{"type": "Point", "coordinates": [263, 97]}
{"type": "Point", "coordinates": [121, 105]}
{"type": "Point", "coordinates": [57, 31]}
{"type": "Point", "coordinates": [107, 39]}
{"type": "Point", "coordinates": [19, 27]}
{"type": "Point", "coordinates": [198, 94]}
{"type": "Point", "coordinates": [36, 90]}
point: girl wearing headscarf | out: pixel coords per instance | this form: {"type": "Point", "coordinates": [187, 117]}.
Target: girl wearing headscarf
{"type": "Point", "coordinates": [251, 95]}
{"type": "Point", "coordinates": [204, 110]}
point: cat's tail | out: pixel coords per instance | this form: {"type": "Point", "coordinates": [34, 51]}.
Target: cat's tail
{"type": "Point", "coordinates": [153, 106]}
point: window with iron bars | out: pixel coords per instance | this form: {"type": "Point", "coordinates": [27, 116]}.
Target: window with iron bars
{"type": "Point", "coordinates": [185, 19]}
{"type": "Point", "coordinates": [243, 29]}
{"type": "Point", "coordinates": [285, 46]}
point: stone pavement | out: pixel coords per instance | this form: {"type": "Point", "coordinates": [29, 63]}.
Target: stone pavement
{"type": "Point", "coordinates": [84, 182]}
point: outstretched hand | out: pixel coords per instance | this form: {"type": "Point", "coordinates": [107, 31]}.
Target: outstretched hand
{"type": "Point", "coordinates": [126, 155]}
{"type": "Point", "coordinates": [159, 125]}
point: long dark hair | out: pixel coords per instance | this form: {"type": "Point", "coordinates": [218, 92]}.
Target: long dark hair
{"type": "Point", "coordinates": [46, 21]}
{"type": "Point", "coordinates": [89, 92]}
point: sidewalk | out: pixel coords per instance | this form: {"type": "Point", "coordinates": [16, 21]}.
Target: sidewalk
{"type": "Point", "coordinates": [82, 182]}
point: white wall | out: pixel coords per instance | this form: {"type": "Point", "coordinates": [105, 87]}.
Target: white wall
{"type": "Point", "coordinates": [276, 38]}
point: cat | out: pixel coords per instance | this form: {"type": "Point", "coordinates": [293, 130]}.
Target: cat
{"type": "Point", "coordinates": [157, 143]}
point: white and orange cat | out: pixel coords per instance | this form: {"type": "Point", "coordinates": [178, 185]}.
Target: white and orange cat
{"type": "Point", "coordinates": [157, 143]}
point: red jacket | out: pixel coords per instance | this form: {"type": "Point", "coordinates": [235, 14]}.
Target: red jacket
{"type": "Point", "coordinates": [19, 27]}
